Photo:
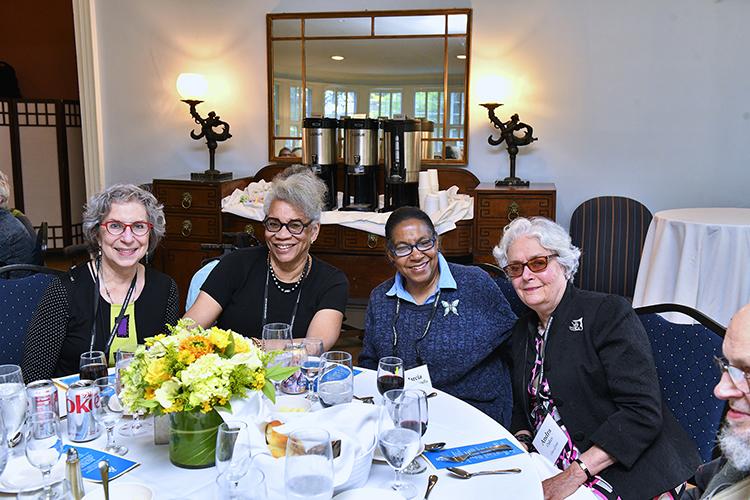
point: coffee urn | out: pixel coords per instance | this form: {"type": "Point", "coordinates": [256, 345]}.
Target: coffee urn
{"type": "Point", "coordinates": [428, 131]}
{"type": "Point", "coordinates": [403, 159]}
{"type": "Point", "coordinates": [361, 163]}
{"type": "Point", "coordinates": [319, 153]}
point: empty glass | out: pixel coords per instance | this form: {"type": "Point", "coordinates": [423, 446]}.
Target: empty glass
{"type": "Point", "coordinates": [312, 366]}
{"type": "Point", "coordinates": [232, 453]}
{"type": "Point", "coordinates": [137, 427]}
{"type": "Point", "coordinates": [108, 412]}
{"type": "Point", "coordinates": [308, 471]}
{"type": "Point", "coordinates": [44, 445]}
{"type": "Point", "coordinates": [251, 487]}
{"type": "Point", "coordinates": [276, 336]}
{"type": "Point", "coordinates": [336, 384]}
{"type": "Point", "coordinates": [399, 435]}
{"type": "Point", "coordinates": [12, 402]}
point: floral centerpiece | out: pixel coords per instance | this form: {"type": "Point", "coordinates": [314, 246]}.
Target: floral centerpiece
{"type": "Point", "coordinates": [187, 375]}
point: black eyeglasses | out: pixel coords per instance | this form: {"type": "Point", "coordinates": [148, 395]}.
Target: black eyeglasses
{"type": "Point", "coordinates": [535, 265]}
{"type": "Point", "coordinates": [294, 226]}
{"type": "Point", "coordinates": [404, 249]}
{"type": "Point", "coordinates": [138, 228]}
{"type": "Point", "coordinates": [740, 378]}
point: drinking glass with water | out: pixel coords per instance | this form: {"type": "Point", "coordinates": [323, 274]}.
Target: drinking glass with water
{"type": "Point", "coordinates": [336, 384]}
{"type": "Point", "coordinates": [12, 402]}
{"type": "Point", "coordinates": [308, 471]}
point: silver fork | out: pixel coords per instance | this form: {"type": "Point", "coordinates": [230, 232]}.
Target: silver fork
{"type": "Point", "coordinates": [471, 453]}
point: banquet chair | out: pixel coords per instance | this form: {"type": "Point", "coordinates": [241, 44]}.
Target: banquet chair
{"type": "Point", "coordinates": [39, 236]}
{"type": "Point", "coordinates": [498, 276]}
{"type": "Point", "coordinates": [610, 231]}
{"type": "Point", "coordinates": [18, 300]}
{"type": "Point", "coordinates": [684, 354]}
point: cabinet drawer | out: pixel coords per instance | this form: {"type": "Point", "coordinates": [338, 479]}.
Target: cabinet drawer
{"type": "Point", "coordinates": [488, 235]}
{"type": "Point", "coordinates": [328, 238]}
{"type": "Point", "coordinates": [188, 197]}
{"type": "Point", "coordinates": [185, 226]}
{"type": "Point", "coordinates": [506, 208]}
{"type": "Point", "coordinates": [354, 239]}
{"type": "Point", "coordinates": [458, 241]}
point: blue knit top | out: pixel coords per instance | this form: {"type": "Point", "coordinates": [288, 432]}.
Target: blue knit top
{"type": "Point", "coordinates": [465, 347]}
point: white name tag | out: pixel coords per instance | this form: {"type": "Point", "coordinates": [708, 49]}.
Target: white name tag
{"type": "Point", "coordinates": [418, 378]}
{"type": "Point", "coordinates": [550, 439]}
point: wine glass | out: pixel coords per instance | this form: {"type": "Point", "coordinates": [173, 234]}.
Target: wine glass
{"type": "Point", "coordinates": [12, 403]}
{"type": "Point", "coordinates": [308, 471]}
{"type": "Point", "coordinates": [93, 365]}
{"type": "Point", "coordinates": [276, 336]}
{"type": "Point", "coordinates": [232, 453]}
{"type": "Point", "coordinates": [251, 487]}
{"type": "Point", "coordinates": [108, 412]}
{"type": "Point", "coordinates": [295, 355]}
{"type": "Point", "coordinates": [398, 436]}
{"type": "Point", "coordinates": [123, 359]}
{"type": "Point", "coordinates": [44, 445]}
{"type": "Point", "coordinates": [3, 445]}
{"type": "Point", "coordinates": [59, 490]}
{"type": "Point", "coordinates": [390, 374]}
{"type": "Point", "coordinates": [417, 466]}
{"type": "Point", "coordinates": [312, 366]}
{"type": "Point", "coordinates": [336, 383]}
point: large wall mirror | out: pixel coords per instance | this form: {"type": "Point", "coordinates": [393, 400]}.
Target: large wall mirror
{"type": "Point", "coordinates": [376, 63]}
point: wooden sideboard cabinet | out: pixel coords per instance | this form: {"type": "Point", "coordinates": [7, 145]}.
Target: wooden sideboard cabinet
{"type": "Point", "coordinates": [496, 206]}
{"type": "Point", "coordinates": [193, 213]}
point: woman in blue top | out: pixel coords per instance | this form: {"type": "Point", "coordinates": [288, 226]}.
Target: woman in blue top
{"type": "Point", "coordinates": [450, 317]}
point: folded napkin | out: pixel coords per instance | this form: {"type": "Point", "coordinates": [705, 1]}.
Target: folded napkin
{"type": "Point", "coordinates": [434, 456]}
{"type": "Point", "coordinates": [546, 469]}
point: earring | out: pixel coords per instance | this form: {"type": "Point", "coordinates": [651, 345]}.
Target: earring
{"type": "Point", "coordinates": [146, 258]}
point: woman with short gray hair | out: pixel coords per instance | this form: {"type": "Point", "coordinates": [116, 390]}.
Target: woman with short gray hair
{"type": "Point", "coordinates": [112, 302]}
{"type": "Point", "coordinates": [589, 351]}
{"type": "Point", "coordinates": [16, 244]}
{"type": "Point", "coordinates": [279, 282]}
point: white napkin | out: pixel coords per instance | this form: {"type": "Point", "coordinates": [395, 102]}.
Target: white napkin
{"type": "Point", "coordinates": [546, 469]}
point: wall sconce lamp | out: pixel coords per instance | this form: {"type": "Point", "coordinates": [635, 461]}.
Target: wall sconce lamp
{"type": "Point", "coordinates": [192, 88]}
{"type": "Point", "coordinates": [512, 141]}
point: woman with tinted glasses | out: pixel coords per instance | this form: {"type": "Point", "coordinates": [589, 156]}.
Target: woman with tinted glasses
{"type": "Point", "coordinates": [583, 370]}
{"type": "Point", "coordinates": [279, 282]}
{"type": "Point", "coordinates": [451, 318]}
{"type": "Point", "coordinates": [111, 302]}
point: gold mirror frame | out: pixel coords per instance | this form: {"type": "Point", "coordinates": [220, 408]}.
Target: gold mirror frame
{"type": "Point", "coordinates": [322, 19]}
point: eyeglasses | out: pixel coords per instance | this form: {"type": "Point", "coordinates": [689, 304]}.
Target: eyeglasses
{"type": "Point", "coordinates": [535, 265]}
{"type": "Point", "coordinates": [404, 249]}
{"type": "Point", "coordinates": [294, 226]}
{"type": "Point", "coordinates": [138, 228]}
{"type": "Point", "coordinates": [740, 378]}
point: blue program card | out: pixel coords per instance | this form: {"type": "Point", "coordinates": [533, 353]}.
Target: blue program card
{"type": "Point", "coordinates": [90, 459]}
{"type": "Point", "coordinates": [432, 456]}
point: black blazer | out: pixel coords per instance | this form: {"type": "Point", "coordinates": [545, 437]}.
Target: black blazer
{"type": "Point", "coordinates": [603, 380]}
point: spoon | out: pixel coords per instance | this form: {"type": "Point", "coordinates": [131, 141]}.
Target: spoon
{"type": "Point", "coordinates": [431, 395]}
{"type": "Point", "coordinates": [13, 441]}
{"type": "Point", "coordinates": [464, 474]}
{"type": "Point", "coordinates": [365, 399]}
{"type": "Point", "coordinates": [104, 472]}
{"type": "Point", "coordinates": [431, 482]}
{"type": "Point", "coordinates": [434, 446]}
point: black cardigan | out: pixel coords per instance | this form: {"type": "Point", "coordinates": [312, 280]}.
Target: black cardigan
{"type": "Point", "coordinates": [604, 383]}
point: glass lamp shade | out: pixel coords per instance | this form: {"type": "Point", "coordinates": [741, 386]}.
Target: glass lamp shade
{"type": "Point", "coordinates": [192, 86]}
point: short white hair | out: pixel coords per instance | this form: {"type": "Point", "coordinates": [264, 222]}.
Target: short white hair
{"type": "Point", "coordinates": [550, 235]}
{"type": "Point", "coordinates": [4, 190]}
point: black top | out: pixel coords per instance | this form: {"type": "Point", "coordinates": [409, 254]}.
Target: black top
{"type": "Point", "coordinates": [238, 281]}
{"type": "Point", "coordinates": [61, 327]}
{"type": "Point", "coordinates": [602, 376]}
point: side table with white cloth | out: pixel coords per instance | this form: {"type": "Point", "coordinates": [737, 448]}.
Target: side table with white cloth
{"type": "Point", "coordinates": [696, 257]}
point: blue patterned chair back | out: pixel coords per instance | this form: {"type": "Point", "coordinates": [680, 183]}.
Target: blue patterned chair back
{"type": "Point", "coordinates": [687, 375]}
{"type": "Point", "coordinates": [497, 274]}
{"type": "Point", "coordinates": [610, 231]}
{"type": "Point", "coordinates": [18, 300]}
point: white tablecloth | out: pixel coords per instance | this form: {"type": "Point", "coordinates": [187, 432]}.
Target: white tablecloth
{"type": "Point", "coordinates": [451, 420]}
{"type": "Point", "coordinates": [697, 257]}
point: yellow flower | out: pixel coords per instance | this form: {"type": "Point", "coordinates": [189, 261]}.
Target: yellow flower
{"type": "Point", "coordinates": [197, 345]}
{"type": "Point", "coordinates": [258, 380]}
{"type": "Point", "coordinates": [240, 343]}
{"type": "Point", "coordinates": [153, 340]}
{"type": "Point", "coordinates": [157, 372]}
{"type": "Point", "coordinates": [185, 357]}
{"type": "Point", "coordinates": [220, 338]}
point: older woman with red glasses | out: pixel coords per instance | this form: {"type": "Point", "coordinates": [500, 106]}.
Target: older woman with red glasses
{"type": "Point", "coordinates": [583, 371]}
{"type": "Point", "coordinates": [279, 282]}
{"type": "Point", "coordinates": [111, 302]}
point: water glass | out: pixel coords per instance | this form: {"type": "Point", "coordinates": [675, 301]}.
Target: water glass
{"type": "Point", "coordinates": [336, 384]}
{"type": "Point", "coordinates": [251, 487]}
{"type": "Point", "coordinates": [308, 471]}
{"type": "Point", "coordinates": [59, 490]}
{"type": "Point", "coordinates": [108, 412]}
{"type": "Point", "coordinates": [44, 445]}
{"type": "Point", "coordinates": [398, 435]}
{"type": "Point", "coordinates": [390, 374]}
{"type": "Point", "coordinates": [296, 355]}
{"type": "Point", "coordinates": [3, 446]}
{"type": "Point", "coordinates": [93, 365]}
{"type": "Point", "coordinates": [276, 336]}
{"type": "Point", "coordinates": [123, 359]}
{"type": "Point", "coordinates": [233, 450]}
{"type": "Point", "coordinates": [12, 402]}
{"type": "Point", "coordinates": [417, 466]}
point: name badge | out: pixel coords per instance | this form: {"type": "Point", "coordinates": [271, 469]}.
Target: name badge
{"type": "Point", "coordinates": [550, 439]}
{"type": "Point", "coordinates": [418, 378]}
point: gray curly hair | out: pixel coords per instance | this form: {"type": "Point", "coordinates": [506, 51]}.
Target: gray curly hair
{"type": "Point", "coordinates": [100, 204]}
{"type": "Point", "coordinates": [550, 235]}
{"type": "Point", "coordinates": [301, 188]}
{"type": "Point", "coordinates": [4, 190]}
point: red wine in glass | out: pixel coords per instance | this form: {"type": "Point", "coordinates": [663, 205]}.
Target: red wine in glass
{"type": "Point", "coordinates": [93, 371]}
{"type": "Point", "coordinates": [388, 382]}
{"type": "Point", "coordinates": [420, 427]}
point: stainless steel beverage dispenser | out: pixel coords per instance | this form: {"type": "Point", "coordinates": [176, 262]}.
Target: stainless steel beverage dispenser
{"type": "Point", "coordinates": [361, 163]}
{"type": "Point", "coordinates": [319, 153]}
{"type": "Point", "coordinates": [403, 159]}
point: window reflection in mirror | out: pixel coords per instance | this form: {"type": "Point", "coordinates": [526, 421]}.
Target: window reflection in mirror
{"type": "Point", "coordinates": [380, 64]}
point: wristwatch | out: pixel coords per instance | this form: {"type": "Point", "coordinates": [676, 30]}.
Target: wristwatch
{"type": "Point", "coordinates": [585, 469]}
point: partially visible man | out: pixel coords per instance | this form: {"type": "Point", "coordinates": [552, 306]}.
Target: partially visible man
{"type": "Point", "coordinates": [728, 477]}
{"type": "Point", "coordinates": [16, 245]}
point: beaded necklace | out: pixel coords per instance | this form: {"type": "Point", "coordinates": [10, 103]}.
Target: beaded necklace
{"type": "Point", "coordinates": [278, 282]}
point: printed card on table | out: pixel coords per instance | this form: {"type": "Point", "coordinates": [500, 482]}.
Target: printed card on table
{"type": "Point", "coordinates": [90, 459]}
{"type": "Point", "coordinates": [433, 456]}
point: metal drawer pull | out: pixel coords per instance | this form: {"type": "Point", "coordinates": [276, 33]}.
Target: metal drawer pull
{"type": "Point", "coordinates": [187, 228]}
{"type": "Point", "coordinates": [372, 240]}
{"type": "Point", "coordinates": [187, 200]}
{"type": "Point", "coordinates": [249, 229]}
{"type": "Point", "coordinates": [513, 210]}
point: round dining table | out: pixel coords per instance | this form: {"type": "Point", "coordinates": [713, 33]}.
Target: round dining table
{"type": "Point", "coordinates": [450, 420]}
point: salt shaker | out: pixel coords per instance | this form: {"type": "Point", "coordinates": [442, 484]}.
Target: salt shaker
{"type": "Point", "coordinates": [73, 474]}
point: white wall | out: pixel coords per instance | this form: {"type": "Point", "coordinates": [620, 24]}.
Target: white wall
{"type": "Point", "coordinates": [641, 98]}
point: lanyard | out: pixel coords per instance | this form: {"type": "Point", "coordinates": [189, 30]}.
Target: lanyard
{"type": "Point", "coordinates": [426, 329]}
{"type": "Point", "coordinates": [537, 381]}
{"type": "Point", "coordinates": [296, 303]}
{"type": "Point", "coordinates": [119, 317]}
